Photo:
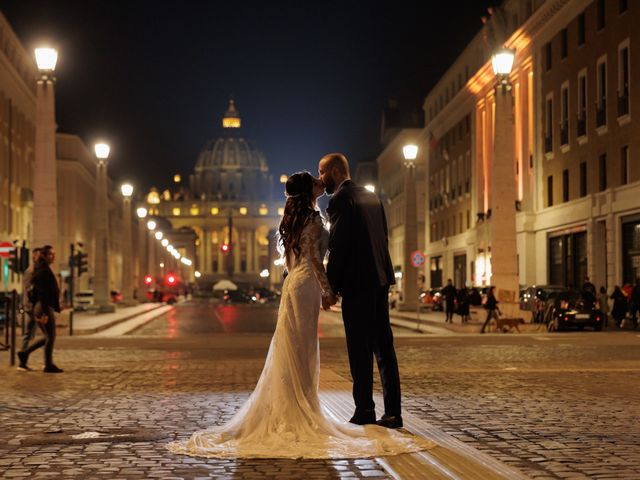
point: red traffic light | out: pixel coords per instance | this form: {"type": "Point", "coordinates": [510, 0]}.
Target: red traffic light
{"type": "Point", "coordinates": [225, 247]}
{"type": "Point", "coordinates": [148, 280]}
{"type": "Point", "coordinates": [171, 279]}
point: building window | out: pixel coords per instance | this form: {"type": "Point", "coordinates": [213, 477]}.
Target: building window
{"type": "Point", "coordinates": [243, 210]}
{"type": "Point", "coordinates": [582, 29]}
{"type": "Point", "coordinates": [263, 210]}
{"type": "Point", "coordinates": [623, 6]}
{"type": "Point", "coordinates": [601, 19]}
{"type": "Point", "coordinates": [603, 171]}
{"type": "Point", "coordinates": [583, 179]}
{"type": "Point", "coordinates": [550, 191]}
{"type": "Point", "coordinates": [568, 259]}
{"type": "Point", "coordinates": [548, 127]}
{"type": "Point", "coordinates": [564, 43]}
{"type": "Point", "coordinates": [564, 115]}
{"type": "Point", "coordinates": [624, 165]}
{"type": "Point", "coordinates": [547, 56]}
{"type": "Point", "coordinates": [623, 79]}
{"type": "Point", "coordinates": [215, 211]}
{"type": "Point", "coordinates": [176, 211]}
{"type": "Point", "coordinates": [582, 104]}
{"type": "Point", "coordinates": [565, 185]}
{"type": "Point", "coordinates": [601, 102]}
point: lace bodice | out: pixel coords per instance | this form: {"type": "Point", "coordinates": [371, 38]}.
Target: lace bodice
{"type": "Point", "coordinates": [314, 242]}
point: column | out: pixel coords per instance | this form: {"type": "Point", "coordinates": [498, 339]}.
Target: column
{"type": "Point", "coordinates": [503, 212]}
{"type": "Point", "coordinates": [237, 251]}
{"type": "Point", "coordinates": [45, 184]}
{"type": "Point", "coordinates": [127, 254]}
{"type": "Point", "coordinates": [101, 278]}
{"type": "Point", "coordinates": [250, 250]}
{"type": "Point", "coordinates": [410, 273]}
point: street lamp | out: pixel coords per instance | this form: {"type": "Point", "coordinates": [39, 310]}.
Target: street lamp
{"type": "Point", "coordinates": [504, 259]}
{"type": "Point", "coordinates": [158, 235]}
{"type": "Point", "coordinates": [127, 251]}
{"type": "Point", "coordinates": [164, 242]}
{"type": "Point", "coordinates": [143, 265]}
{"type": "Point", "coordinates": [151, 225]}
{"type": "Point", "coordinates": [410, 273]}
{"type": "Point", "coordinates": [45, 192]}
{"type": "Point", "coordinates": [101, 277]}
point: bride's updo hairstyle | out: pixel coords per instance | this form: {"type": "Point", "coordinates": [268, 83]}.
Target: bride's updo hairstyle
{"type": "Point", "coordinates": [300, 205]}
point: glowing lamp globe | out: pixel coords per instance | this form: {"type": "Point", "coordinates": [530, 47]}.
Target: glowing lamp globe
{"type": "Point", "coordinates": [46, 59]}
{"type": "Point", "coordinates": [502, 61]}
{"type": "Point", "coordinates": [158, 235]}
{"type": "Point", "coordinates": [164, 242]}
{"type": "Point", "coordinates": [142, 212]}
{"type": "Point", "coordinates": [151, 225]}
{"type": "Point", "coordinates": [410, 152]}
{"type": "Point", "coordinates": [126, 189]}
{"type": "Point", "coordinates": [102, 150]}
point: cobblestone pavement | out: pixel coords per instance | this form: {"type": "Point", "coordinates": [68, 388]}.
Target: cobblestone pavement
{"type": "Point", "coordinates": [554, 406]}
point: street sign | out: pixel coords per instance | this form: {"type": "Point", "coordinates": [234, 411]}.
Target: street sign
{"type": "Point", "coordinates": [5, 249]}
{"type": "Point", "coordinates": [417, 258]}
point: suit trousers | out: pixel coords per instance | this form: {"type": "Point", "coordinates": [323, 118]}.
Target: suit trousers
{"type": "Point", "coordinates": [368, 331]}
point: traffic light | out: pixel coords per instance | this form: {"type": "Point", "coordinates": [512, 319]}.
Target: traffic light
{"type": "Point", "coordinates": [82, 262]}
{"type": "Point", "coordinates": [148, 280]}
{"type": "Point", "coordinates": [225, 247]}
{"type": "Point", "coordinates": [14, 264]}
{"type": "Point", "coordinates": [24, 259]}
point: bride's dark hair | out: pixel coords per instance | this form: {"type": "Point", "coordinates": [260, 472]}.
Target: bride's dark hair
{"type": "Point", "coordinates": [299, 207]}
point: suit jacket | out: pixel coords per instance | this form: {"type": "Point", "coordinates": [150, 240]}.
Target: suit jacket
{"type": "Point", "coordinates": [358, 241]}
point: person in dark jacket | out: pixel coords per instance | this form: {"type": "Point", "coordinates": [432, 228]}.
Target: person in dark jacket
{"type": "Point", "coordinates": [449, 293]}
{"type": "Point", "coordinates": [31, 327]}
{"type": "Point", "coordinates": [620, 307]}
{"type": "Point", "coordinates": [634, 303]}
{"type": "Point", "coordinates": [463, 304]}
{"type": "Point", "coordinates": [46, 303]}
{"type": "Point", "coordinates": [492, 308]}
{"type": "Point", "coordinates": [361, 272]}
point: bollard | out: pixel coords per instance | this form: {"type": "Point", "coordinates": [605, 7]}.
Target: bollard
{"type": "Point", "coordinates": [71, 322]}
{"type": "Point", "coordinates": [14, 304]}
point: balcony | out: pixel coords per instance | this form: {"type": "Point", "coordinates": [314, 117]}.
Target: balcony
{"type": "Point", "coordinates": [548, 144]}
{"type": "Point", "coordinates": [564, 133]}
{"type": "Point", "coordinates": [601, 113]}
{"type": "Point", "coordinates": [623, 103]}
{"type": "Point", "coordinates": [581, 124]}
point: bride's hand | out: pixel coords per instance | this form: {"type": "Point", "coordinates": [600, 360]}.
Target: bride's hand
{"type": "Point", "coordinates": [329, 300]}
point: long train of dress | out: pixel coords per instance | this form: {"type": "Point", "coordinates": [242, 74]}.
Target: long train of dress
{"type": "Point", "coordinates": [283, 417]}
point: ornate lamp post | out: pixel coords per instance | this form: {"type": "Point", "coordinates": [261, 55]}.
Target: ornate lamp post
{"type": "Point", "coordinates": [153, 268]}
{"type": "Point", "coordinates": [410, 274]}
{"type": "Point", "coordinates": [127, 249]}
{"type": "Point", "coordinates": [143, 268]}
{"type": "Point", "coordinates": [504, 263]}
{"type": "Point", "coordinates": [45, 185]}
{"type": "Point", "coordinates": [101, 278]}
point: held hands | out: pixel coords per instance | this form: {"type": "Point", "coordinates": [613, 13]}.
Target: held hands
{"type": "Point", "coordinates": [43, 320]}
{"type": "Point", "coordinates": [328, 300]}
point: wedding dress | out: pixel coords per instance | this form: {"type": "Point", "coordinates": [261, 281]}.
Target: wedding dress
{"type": "Point", "coordinates": [283, 417]}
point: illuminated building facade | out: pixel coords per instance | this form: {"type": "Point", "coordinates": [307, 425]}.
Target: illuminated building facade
{"type": "Point", "coordinates": [575, 153]}
{"type": "Point", "coordinates": [230, 205]}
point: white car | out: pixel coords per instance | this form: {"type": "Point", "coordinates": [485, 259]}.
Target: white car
{"type": "Point", "coordinates": [83, 300]}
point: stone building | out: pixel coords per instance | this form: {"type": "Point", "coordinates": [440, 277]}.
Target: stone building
{"type": "Point", "coordinates": [576, 180]}
{"type": "Point", "coordinates": [230, 206]}
{"type": "Point", "coordinates": [17, 139]}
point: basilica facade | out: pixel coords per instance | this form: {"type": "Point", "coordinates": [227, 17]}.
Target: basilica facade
{"type": "Point", "coordinates": [227, 213]}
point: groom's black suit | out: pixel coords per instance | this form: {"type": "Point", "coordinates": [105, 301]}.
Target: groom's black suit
{"type": "Point", "coordinates": [360, 270]}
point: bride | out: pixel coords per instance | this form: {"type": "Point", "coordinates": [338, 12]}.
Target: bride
{"type": "Point", "coordinates": [283, 417]}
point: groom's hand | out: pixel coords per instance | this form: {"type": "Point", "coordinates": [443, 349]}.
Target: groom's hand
{"type": "Point", "coordinates": [328, 301]}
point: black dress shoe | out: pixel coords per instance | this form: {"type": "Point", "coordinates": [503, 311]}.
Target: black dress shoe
{"type": "Point", "coordinates": [23, 357]}
{"type": "Point", "coordinates": [364, 417]}
{"type": "Point", "coordinates": [52, 369]}
{"type": "Point", "coordinates": [390, 421]}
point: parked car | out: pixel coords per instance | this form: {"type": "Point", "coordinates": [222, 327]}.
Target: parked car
{"type": "Point", "coordinates": [83, 300]}
{"type": "Point", "coordinates": [575, 310]}
{"type": "Point", "coordinates": [264, 295]}
{"type": "Point", "coordinates": [534, 298]}
{"type": "Point", "coordinates": [236, 296]}
{"type": "Point", "coordinates": [432, 298]}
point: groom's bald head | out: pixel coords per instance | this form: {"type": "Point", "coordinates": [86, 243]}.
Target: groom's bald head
{"type": "Point", "coordinates": [333, 170]}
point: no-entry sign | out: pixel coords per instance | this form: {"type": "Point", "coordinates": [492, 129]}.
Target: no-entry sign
{"type": "Point", "coordinates": [5, 248]}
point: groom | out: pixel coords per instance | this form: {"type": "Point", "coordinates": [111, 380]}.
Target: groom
{"type": "Point", "coordinates": [360, 271]}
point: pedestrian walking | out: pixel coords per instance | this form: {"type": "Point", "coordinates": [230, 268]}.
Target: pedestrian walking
{"type": "Point", "coordinates": [587, 286]}
{"type": "Point", "coordinates": [634, 304]}
{"type": "Point", "coordinates": [449, 293]}
{"type": "Point", "coordinates": [603, 301]}
{"type": "Point", "coordinates": [463, 304]}
{"type": "Point", "coordinates": [619, 310]}
{"type": "Point", "coordinates": [45, 297]}
{"type": "Point", "coordinates": [31, 326]}
{"type": "Point", "coordinates": [491, 306]}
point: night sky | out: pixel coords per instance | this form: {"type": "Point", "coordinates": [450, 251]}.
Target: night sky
{"type": "Point", "coordinates": [154, 78]}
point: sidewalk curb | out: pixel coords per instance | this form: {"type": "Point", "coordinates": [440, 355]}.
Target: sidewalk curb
{"type": "Point", "coordinates": [90, 331]}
